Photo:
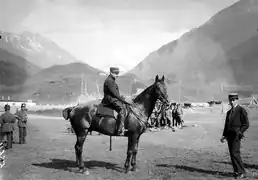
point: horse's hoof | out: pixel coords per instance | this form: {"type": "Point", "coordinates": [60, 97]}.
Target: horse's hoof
{"type": "Point", "coordinates": [134, 169]}
{"type": "Point", "coordinates": [127, 171]}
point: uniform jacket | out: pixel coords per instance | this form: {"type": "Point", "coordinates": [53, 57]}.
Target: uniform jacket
{"type": "Point", "coordinates": [22, 118]}
{"type": "Point", "coordinates": [7, 121]}
{"type": "Point", "coordinates": [111, 91]}
{"type": "Point", "coordinates": [236, 122]}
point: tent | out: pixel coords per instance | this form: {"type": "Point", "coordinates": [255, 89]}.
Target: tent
{"type": "Point", "coordinates": [250, 101]}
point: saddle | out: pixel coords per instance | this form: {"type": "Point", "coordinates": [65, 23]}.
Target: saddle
{"type": "Point", "coordinates": [106, 111]}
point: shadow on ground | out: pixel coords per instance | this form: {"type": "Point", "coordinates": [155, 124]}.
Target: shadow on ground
{"type": "Point", "coordinates": [248, 166]}
{"type": "Point", "coordinates": [68, 165]}
{"type": "Point", "coordinates": [193, 169]}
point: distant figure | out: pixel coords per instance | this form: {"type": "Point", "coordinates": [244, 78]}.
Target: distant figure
{"type": "Point", "coordinates": [157, 112]}
{"type": "Point", "coordinates": [178, 115]}
{"type": "Point", "coordinates": [169, 115]}
{"type": "Point", "coordinates": [113, 99]}
{"type": "Point", "coordinates": [7, 121]}
{"type": "Point", "coordinates": [22, 123]}
{"type": "Point", "coordinates": [235, 125]}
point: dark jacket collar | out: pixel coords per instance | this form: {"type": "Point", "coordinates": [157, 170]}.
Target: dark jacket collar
{"type": "Point", "coordinates": [110, 76]}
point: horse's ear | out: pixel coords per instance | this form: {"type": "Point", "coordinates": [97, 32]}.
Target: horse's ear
{"type": "Point", "coordinates": [157, 78]}
{"type": "Point", "coordinates": [163, 78]}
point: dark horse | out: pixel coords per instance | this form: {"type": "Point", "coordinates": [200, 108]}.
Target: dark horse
{"type": "Point", "coordinates": [84, 119]}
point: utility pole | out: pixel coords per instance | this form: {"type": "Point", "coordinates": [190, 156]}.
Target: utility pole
{"type": "Point", "coordinates": [222, 106]}
{"type": "Point", "coordinates": [85, 86]}
{"type": "Point", "coordinates": [82, 84]}
{"type": "Point", "coordinates": [179, 91]}
{"type": "Point", "coordinates": [97, 86]}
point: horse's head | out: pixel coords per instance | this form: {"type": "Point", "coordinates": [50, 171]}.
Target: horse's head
{"type": "Point", "coordinates": [160, 89]}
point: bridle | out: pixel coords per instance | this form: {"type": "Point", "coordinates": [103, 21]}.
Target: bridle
{"type": "Point", "coordinates": [162, 98]}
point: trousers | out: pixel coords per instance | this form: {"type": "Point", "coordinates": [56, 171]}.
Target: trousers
{"type": "Point", "coordinates": [9, 137]}
{"type": "Point", "coordinates": [22, 135]}
{"type": "Point", "coordinates": [234, 143]}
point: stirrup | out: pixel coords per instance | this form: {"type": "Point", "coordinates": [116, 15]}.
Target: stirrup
{"type": "Point", "coordinates": [122, 131]}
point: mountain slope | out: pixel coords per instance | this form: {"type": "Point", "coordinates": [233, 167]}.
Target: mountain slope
{"type": "Point", "coordinates": [35, 48]}
{"type": "Point", "coordinates": [62, 83]}
{"type": "Point", "coordinates": [22, 63]}
{"type": "Point", "coordinates": [14, 71]}
{"type": "Point", "coordinates": [222, 51]}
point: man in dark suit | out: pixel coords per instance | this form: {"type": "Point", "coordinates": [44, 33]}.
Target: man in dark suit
{"type": "Point", "coordinates": [235, 125]}
{"type": "Point", "coordinates": [113, 99]}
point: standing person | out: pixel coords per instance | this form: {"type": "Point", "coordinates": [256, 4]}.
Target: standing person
{"type": "Point", "coordinates": [22, 123]}
{"type": "Point", "coordinates": [168, 116]}
{"type": "Point", "coordinates": [174, 123]}
{"type": "Point", "coordinates": [7, 121]}
{"type": "Point", "coordinates": [235, 125]}
{"type": "Point", "coordinates": [15, 136]}
{"type": "Point", "coordinates": [157, 111]}
{"type": "Point", "coordinates": [179, 115]}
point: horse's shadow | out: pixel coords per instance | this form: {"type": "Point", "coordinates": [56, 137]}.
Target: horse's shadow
{"type": "Point", "coordinates": [68, 165]}
{"type": "Point", "coordinates": [193, 169]}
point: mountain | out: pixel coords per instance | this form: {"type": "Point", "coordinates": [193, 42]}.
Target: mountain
{"type": "Point", "coordinates": [62, 83]}
{"type": "Point", "coordinates": [35, 48]}
{"type": "Point", "coordinates": [221, 51]}
{"type": "Point", "coordinates": [14, 71]}
{"type": "Point", "coordinates": [10, 58]}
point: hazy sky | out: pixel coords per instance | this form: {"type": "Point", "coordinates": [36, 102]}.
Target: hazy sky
{"type": "Point", "coordinates": [108, 32]}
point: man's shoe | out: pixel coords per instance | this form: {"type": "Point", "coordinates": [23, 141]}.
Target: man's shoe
{"type": "Point", "coordinates": [241, 176]}
{"type": "Point", "coordinates": [121, 130]}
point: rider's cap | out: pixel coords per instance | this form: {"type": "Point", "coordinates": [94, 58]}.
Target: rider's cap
{"type": "Point", "coordinates": [232, 96]}
{"type": "Point", "coordinates": [114, 70]}
{"type": "Point", "coordinates": [23, 105]}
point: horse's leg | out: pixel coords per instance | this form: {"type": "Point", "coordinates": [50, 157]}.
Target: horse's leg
{"type": "Point", "coordinates": [129, 153]}
{"type": "Point", "coordinates": [79, 148]}
{"type": "Point", "coordinates": [135, 142]}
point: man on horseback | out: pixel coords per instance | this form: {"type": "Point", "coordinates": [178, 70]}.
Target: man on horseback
{"type": "Point", "coordinates": [113, 99]}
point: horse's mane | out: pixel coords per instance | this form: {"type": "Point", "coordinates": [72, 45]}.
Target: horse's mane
{"type": "Point", "coordinates": [143, 93]}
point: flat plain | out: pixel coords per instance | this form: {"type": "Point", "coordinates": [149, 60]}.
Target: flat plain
{"type": "Point", "coordinates": [193, 152]}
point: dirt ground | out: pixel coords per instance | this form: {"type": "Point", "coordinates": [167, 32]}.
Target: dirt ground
{"type": "Point", "coordinates": [191, 153]}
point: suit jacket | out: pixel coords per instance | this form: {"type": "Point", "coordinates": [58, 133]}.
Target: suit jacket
{"type": "Point", "coordinates": [236, 122]}
{"type": "Point", "coordinates": [111, 91]}
{"type": "Point", "coordinates": [22, 118]}
{"type": "Point", "coordinates": [7, 121]}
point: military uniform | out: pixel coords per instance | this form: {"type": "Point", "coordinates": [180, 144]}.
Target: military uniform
{"type": "Point", "coordinates": [235, 125]}
{"type": "Point", "coordinates": [113, 99]}
{"type": "Point", "coordinates": [7, 121]}
{"type": "Point", "coordinates": [22, 124]}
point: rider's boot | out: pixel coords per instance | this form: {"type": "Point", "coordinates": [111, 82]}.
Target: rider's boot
{"type": "Point", "coordinates": [121, 128]}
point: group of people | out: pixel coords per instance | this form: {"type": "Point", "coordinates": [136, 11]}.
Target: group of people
{"type": "Point", "coordinates": [170, 116]}
{"type": "Point", "coordinates": [8, 121]}
{"type": "Point", "coordinates": [235, 125]}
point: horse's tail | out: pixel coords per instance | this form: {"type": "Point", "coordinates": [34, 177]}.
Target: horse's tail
{"type": "Point", "coordinates": [66, 112]}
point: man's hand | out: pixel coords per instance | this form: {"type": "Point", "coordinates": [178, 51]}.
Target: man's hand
{"type": "Point", "coordinates": [240, 135]}
{"type": "Point", "coordinates": [222, 139]}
